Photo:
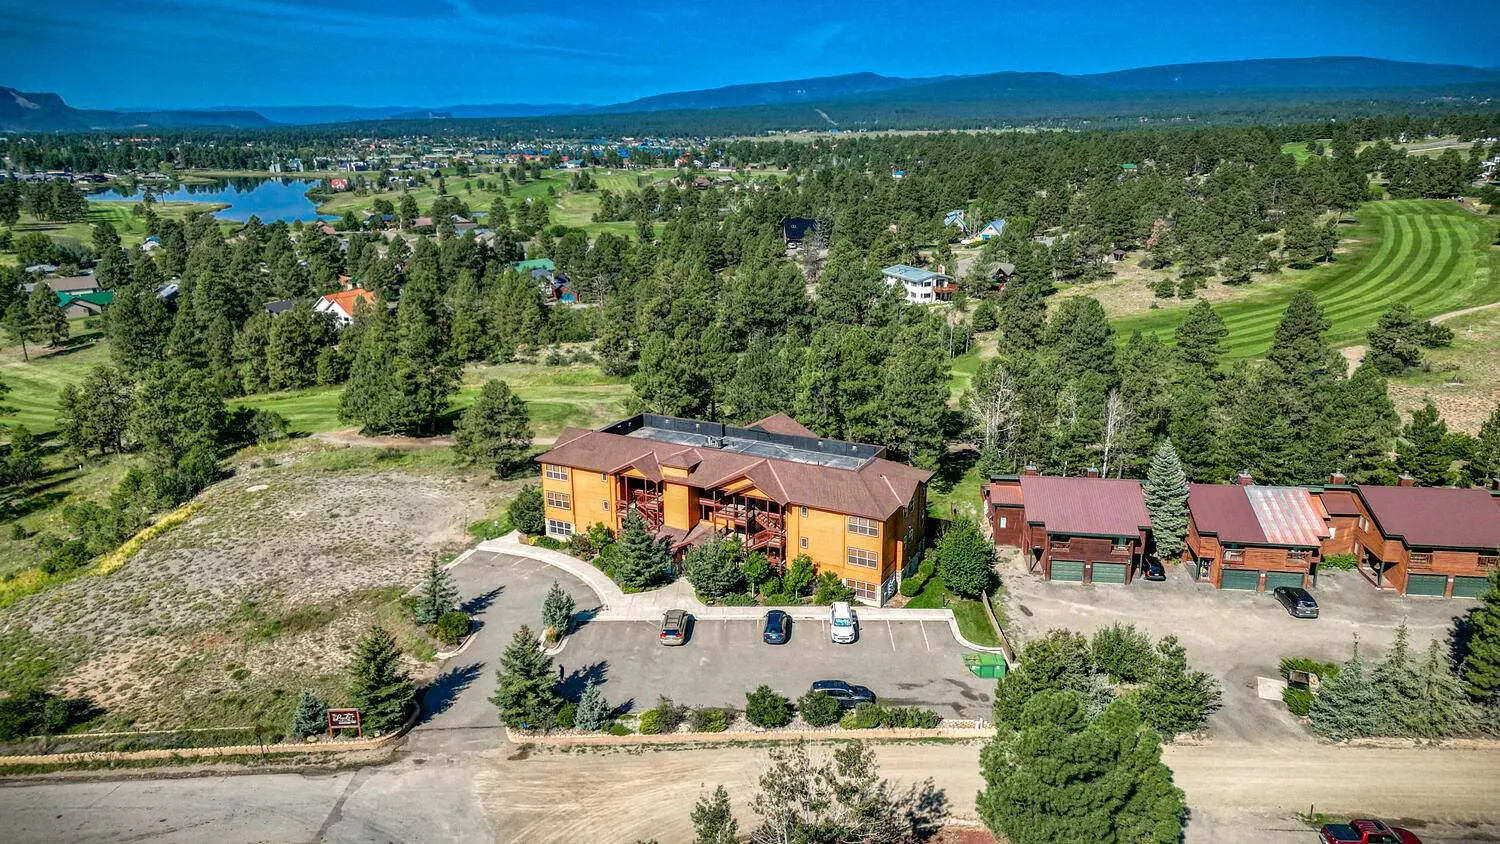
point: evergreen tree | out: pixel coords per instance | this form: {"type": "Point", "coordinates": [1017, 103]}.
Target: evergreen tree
{"type": "Point", "coordinates": [526, 693]}
{"type": "Point", "coordinates": [1484, 463]}
{"type": "Point", "coordinates": [1399, 687]}
{"type": "Point", "coordinates": [1166, 494]}
{"type": "Point", "coordinates": [438, 595]}
{"type": "Point", "coordinates": [1023, 315]}
{"type": "Point", "coordinates": [527, 512]}
{"type": "Point", "coordinates": [593, 710]}
{"type": "Point", "coordinates": [714, 568]}
{"type": "Point", "coordinates": [1440, 696]}
{"type": "Point", "coordinates": [1367, 426]}
{"type": "Point", "coordinates": [914, 403]}
{"type": "Point", "coordinates": [1062, 776]}
{"type": "Point", "coordinates": [713, 819]}
{"type": "Point", "coordinates": [1395, 341]}
{"type": "Point", "coordinates": [23, 459]}
{"type": "Point", "coordinates": [496, 431]}
{"type": "Point", "coordinates": [643, 560]}
{"type": "Point", "coordinates": [966, 559]}
{"type": "Point", "coordinates": [1175, 699]}
{"type": "Point", "coordinates": [557, 611]}
{"type": "Point", "coordinates": [310, 717]}
{"type": "Point", "coordinates": [379, 686]}
{"type": "Point", "coordinates": [1481, 663]}
{"type": "Point", "coordinates": [48, 321]}
{"type": "Point", "coordinates": [1347, 706]}
{"type": "Point", "coordinates": [1423, 451]}
{"type": "Point", "coordinates": [1194, 432]}
{"type": "Point", "coordinates": [1200, 340]}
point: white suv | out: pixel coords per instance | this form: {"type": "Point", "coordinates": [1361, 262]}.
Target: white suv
{"type": "Point", "coordinates": [843, 623]}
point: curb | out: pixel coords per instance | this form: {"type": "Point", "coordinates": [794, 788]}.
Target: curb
{"type": "Point", "coordinates": [439, 656]}
{"type": "Point", "coordinates": [636, 739]}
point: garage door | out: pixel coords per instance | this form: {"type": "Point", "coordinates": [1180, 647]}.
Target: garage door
{"type": "Point", "coordinates": [1282, 578]}
{"type": "Point", "coordinates": [1469, 587]}
{"type": "Point", "coordinates": [1109, 572]}
{"type": "Point", "coordinates": [1240, 579]}
{"type": "Point", "coordinates": [1426, 584]}
{"type": "Point", "coordinates": [1067, 570]}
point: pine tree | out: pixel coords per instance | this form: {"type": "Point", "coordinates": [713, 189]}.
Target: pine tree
{"type": "Point", "coordinates": [1484, 464]}
{"type": "Point", "coordinates": [1399, 686]}
{"type": "Point", "coordinates": [526, 684]}
{"type": "Point", "coordinates": [593, 710]}
{"type": "Point", "coordinates": [1395, 341]}
{"type": "Point", "coordinates": [1166, 494]}
{"type": "Point", "coordinates": [1441, 695]}
{"type": "Point", "coordinates": [966, 559]}
{"type": "Point", "coordinates": [48, 321]}
{"type": "Point", "coordinates": [23, 460]}
{"type": "Point", "coordinates": [496, 431]}
{"type": "Point", "coordinates": [1423, 452]}
{"type": "Point", "coordinates": [714, 567]}
{"type": "Point", "coordinates": [914, 401]}
{"type": "Point", "coordinates": [1175, 699]}
{"type": "Point", "coordinates": [642, 560]}
{"type": "Point", "coordinates": [1200, 339]}
{"type": "Point", "coordinates": [713, 819]}
{"type": "Point", "coordinates": [438, 595]}
{"type": "Point", "coordinates": [1194, 431]}
{"type": "Point", "coordinates": [557, 611]}
{"type": "Point", "coordinates": [311, 715]}
{"type": "Point", "coordinates": [1481, 664]}
{"type": "Point", "coordinates": [1348, 706]}
{"type": "Point", "coordinates": [379, 686]}
{"type": "Point", "coordinates": [1367, 424]}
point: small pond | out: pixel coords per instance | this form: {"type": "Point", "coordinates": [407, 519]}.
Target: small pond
{"type": "Point", "coordinates": [268, 199]}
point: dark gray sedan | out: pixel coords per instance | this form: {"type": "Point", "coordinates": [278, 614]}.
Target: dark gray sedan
{"type": "Point", "coordinates": [1298, 603]}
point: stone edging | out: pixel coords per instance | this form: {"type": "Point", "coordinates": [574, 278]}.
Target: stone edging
{"type": "Point", "coordinates": [636, 739]}
{"type": "Point", "coordinates": [352, 746]}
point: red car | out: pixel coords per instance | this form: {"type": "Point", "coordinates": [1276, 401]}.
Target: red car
{"type": "Point", "coordinates": [1366, 831]}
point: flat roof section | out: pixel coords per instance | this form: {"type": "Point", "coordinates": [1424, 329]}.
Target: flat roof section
{"type": "Point", "coordinates": [741, 445]}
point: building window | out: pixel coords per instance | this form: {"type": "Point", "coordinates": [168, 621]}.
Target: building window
{"type": "Point", "coordinates": [804, 512]}
{"type": "Point", "coordinates": [557, 473]}
{"type": "Point", "coordinates": [864, 527]}
{"type": "Point", "coordinates": [863, 558]}
{"type": "Point", "coordinates": [558, 529]}
{"type": "Point", "coordinates": [1002, 522]}
{"type": "Point", "coordinates": [862, 589]}
{"type": "Point", "coordinates": [1332, 531]}
{"type": "Point", "coordinates": [559, 500]}
{"type": "Point", "coordinates": [605, 502]}
{"type": "Point", "coordinates": [603, 476]}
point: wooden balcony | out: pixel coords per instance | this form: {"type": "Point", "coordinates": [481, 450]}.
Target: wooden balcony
{"type": "Point", "coordinates": [1489, 561]}
{"type": "Point", "coordinates": [1419, 561]}
{"type": "Point", "coordinates": [648, 504]}
{"type": "Point", "coordinates": [769, 536]}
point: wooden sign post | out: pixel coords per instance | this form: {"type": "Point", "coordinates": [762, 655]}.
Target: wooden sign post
{"type": "Point", "coordinates": [345, 719]}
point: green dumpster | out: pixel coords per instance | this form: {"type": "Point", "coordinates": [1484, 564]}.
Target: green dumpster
{"type": "Point", "coordinates": [986, 665]}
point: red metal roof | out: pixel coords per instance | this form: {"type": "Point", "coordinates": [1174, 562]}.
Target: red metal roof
{"type": "Point", "coordinates": [1435, 518]}
{"type": "Point", "coordinates": [1257, 515]}
{"type": "Point", "coordinates": [1093, 506]}
{"type": "Point", "coordinates": [1006, 495]}
{"type": "Point", "coordinates": [1339, 502]}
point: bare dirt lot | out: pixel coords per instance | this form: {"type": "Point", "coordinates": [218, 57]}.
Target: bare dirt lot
{"type": "Point", "coordinates": [221, 621]}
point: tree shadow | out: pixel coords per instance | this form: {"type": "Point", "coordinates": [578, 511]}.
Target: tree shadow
{"type": "Point", "coordinates": [1463, 634]}
{"type": "Point", "coordinates": [953, 467]}
{"type": "Point", "coordinates": [583, 617]}
{"type": "Point", "coordinates": [439, 695]}
{"type": "Point", "coordinates": [573, 683]}
{"type": "Point", "coordinates": [927, 806]}
{"type": "Point", "coordinates": [34, 503]}
{"type": "Point", "coordinates": [481, 602]}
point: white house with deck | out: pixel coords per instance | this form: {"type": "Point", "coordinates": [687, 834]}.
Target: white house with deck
{"type": "Point", "coordinates": [923, 287]}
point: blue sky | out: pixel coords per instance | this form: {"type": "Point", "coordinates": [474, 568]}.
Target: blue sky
{"type": "Point", "coordinates": [185, 53]}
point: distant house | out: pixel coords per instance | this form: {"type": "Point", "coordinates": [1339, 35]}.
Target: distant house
{"type": "Point", "coordinates": [922, 287]}
{"type": "Point", "coordinates": [41, 269]}
{"type": "Point", "coordinates": [1003, 274]}
{"type": "Point", "coordinates": [794, 229]}
{"type": "Point", "coordinates": [463, 224]}
{"type": "Point", "coordinates": [994, 228]}
{"type": "Point", "coordinates": [341, 304]}
{"type": "Point", "coordinates": [422, 223]}
{"type": "Point", "coordinates": [898, 174]}
{"type": "Point", "coordinates": [67, 284]}
{"type": "Point", "coordinates": [85, 303]}
{"type": "Point", "coordinates": [956, 218]}
{"type": "Point", "coordinates": [338, 184]}
{"type": "Point", "coordinates": [279, 306]}
{"type": "Point", "coordinates": [327, 228]}
{"type": "Point", "coordinates": [167, 291]}
{"type": "Point", "coordinates": [556, 287]}
{"type": "Point", "coordinates": [1079, 530]}
{"type": "Point", "coordinates": [1118, 255]}
{"type": "Point", "coordinates": [534, 264]}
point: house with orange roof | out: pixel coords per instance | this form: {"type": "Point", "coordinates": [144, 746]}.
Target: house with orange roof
{"type": "Point", "coordinates": [774, 484]}
{"type": "Point", "coordinates": [341, 304]}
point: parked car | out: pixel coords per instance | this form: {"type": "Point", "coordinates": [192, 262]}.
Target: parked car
{"type": "Point", "coordinates": [847, 694]}
{"type": "Point", "coordinates": [1298, 602]}
{"type": "Point", "coordinates": [1366, 831]}
{"type": "Point", "coordinates": [1153, 570]}
{"type": "Point", "coordinates": [843, 624]}
{"type": "Point", "coordinates": [778, 629]}
{"type": "Point", "coordinates": [674, 627]}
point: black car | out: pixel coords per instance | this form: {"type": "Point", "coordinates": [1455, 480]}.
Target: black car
{"type": "Point", "coordinates": [1297, 601]}
{"type": "Point", "coordinates": [778, 629]}
{"type": "Point", "coordinates": [1154, 570]}
{"type": "Point", "coordinates": [847, 694]}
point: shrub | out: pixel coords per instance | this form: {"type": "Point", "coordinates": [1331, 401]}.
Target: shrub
{"type": "Point", "coordinates": [1124, 653]}
{"type": "Point", "coordinates": [17, 531]}
{"type": "Point", "coordinates": [818, 709]}
{"type": "Point", "coordinates": [781, 599]}
{"type": "Point", "coordinates": [1299, 701]}
{"type": "Point", "coordinates": [31, 711]}
{"type": "Point", "coordinates": [710, 719]}
{"type": "Point", "coordinates": [913, 718]}
{"type": "Point", "coordinates": [669, 716]}
{"type": "Point", "coordinates": [567, 716]}
{"type": "Point", "coordinates": [451, 627]}
{"type": "Point", "coordinates": [1342, 562]}
{"type": "Point", "coordinates": [582, 547]}
{"type": "Point", "coordinates": [650, 724]}
{"type": "Point", "coordinates": [765, 708]}
{"type": "Point", "coordinates": [869, 716]}
{"type": "Point", "coordinates": [600, 536]}
{"type": "Point", "coordinates": [1325, 670]}
{"type": "Point", "coordinates": [738, 599]}
{"type": "Point", "coordinates": [912, 586]}
{"type": "Point", "coordinates": [866, 716]}
{"type": "Point", "coordinates": [548, 542]}
{"type": "Point", "coordinates": [831, 589]}
{"type": "Point", "coordinates": [615, 728]}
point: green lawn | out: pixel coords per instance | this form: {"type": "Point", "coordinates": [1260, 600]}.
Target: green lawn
{"type": "Point", "coordinates": [35, 385]}
{"type": "Point", "coordinates": [1430, 254]}
{"type": "Point", "coordinates": [132, 229]}
{"type": "Point", "coordinates": [970, 614]}
{"type": "Point", "coordinates": [1301, 150]}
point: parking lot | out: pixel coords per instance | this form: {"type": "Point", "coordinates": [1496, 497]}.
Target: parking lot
{"type": "Point", "coordinates": [904, 663]}
{"type": "Point", "coordinates": [1235, 636]}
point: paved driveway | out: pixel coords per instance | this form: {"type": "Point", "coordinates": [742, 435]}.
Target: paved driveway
{"type": "Point", "coordinates": [904, 663]}
{"type": "Point", "coordinates": [502, 592]}
{"type": "Point", "coordinates": [1236, 636]}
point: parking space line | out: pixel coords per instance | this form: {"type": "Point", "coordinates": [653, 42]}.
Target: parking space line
{"type": "Point", "coordinates": [925, 640]}
{"type": "Point", "coordinates": [892, 632]}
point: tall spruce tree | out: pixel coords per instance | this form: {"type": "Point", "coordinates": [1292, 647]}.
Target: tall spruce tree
{"type": "Point", "coordinates": [438, 594]}
{"type": "Point", "coordinates": [1347, 706]}
{"type": "Point", "coordinates": [557, 610]}
{"type": "Point", "coordinates": [1166, 492]}
{"type": "Point", "coordinates": [1200, 340]}
{"type": "Point", "coordinates": [1481, 662]}
{"type": "Point", "coordinates": [49, 323]}
{"type": "Point", "coordinates": [526, 693]}
{"type": "Point", "coordinates": [1441, 699]}
{"type": "Point", "coordinates": [1423, 451]}
{"type": "Point", "coordinates": [1367, 423]}
{"type": "Point", "coordinates": [1176, 699]}
{"type": "Point", "coordinates": [379, 686]}
{"type": "Point", "coordinates": [496, 431]}
{"type": "Point", "coordinates": [642, 559]}
{"type": "Point", "coordinates": [593, 710]}
{"type": "Point", "coordinates": [1399, 688]}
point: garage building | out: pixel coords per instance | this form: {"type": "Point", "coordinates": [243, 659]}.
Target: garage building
{"type": "Point", "coordinates": [1244, 536]}
{"type": "Point", "coordinates": [1078, 530]}
{"type": "Point", "coordinates": [1427, 541]}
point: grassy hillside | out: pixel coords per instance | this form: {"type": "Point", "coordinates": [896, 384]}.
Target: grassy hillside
{"type": "Point", "coordinates": [1430, 254]}
{"type": "Point", "coordinates": [132, 229]}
